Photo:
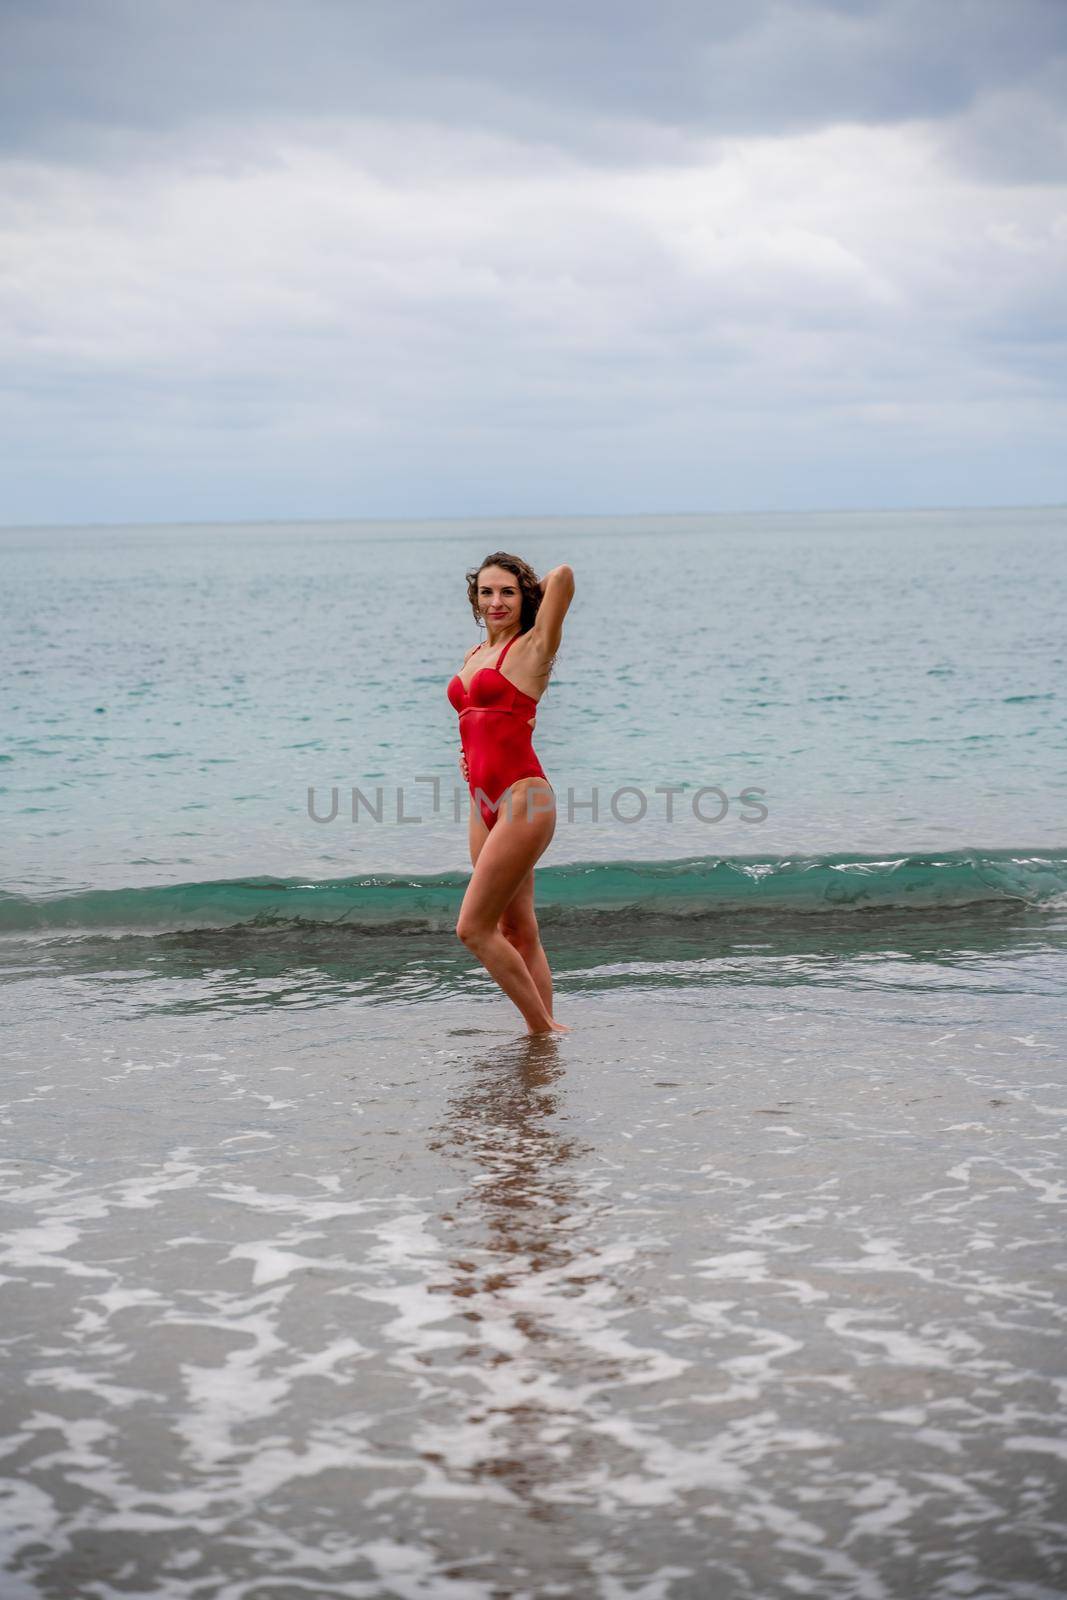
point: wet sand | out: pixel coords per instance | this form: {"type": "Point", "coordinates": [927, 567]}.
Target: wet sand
{"type": "Point", "coordinates": [751, 1285]}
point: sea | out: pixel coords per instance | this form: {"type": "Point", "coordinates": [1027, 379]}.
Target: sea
{"type": "Point", "coordinates": [320, 1278]}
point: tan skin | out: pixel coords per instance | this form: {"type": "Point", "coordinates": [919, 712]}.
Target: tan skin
{"type": "Point", "coordinates": [497, 922]}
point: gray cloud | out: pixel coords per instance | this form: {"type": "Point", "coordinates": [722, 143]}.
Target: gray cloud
{"type": "Point", "coordinates": [602, 76]}
{"type": "Point", "coordinates": [269, 259]}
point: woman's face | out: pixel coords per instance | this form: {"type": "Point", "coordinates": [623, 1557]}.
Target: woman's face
{"type": "Point", "coordinates": [499, 597]}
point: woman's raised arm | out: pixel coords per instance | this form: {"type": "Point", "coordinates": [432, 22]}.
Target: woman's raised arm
{"type": "Point", "coordinates": [557, 589]}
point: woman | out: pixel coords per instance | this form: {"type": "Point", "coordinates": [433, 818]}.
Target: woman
{"type": "Point", "coordinates": [513, 807]}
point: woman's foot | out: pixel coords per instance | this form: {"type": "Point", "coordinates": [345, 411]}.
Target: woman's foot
{"type": "Point", "coordinates": [553, 1027]}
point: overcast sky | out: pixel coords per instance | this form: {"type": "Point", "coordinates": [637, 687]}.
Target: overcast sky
{"type": "Point", "coordinates": [332, 258]}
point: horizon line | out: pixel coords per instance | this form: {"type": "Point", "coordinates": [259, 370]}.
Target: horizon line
{"type": "Point", "coordinates": [519, 516]}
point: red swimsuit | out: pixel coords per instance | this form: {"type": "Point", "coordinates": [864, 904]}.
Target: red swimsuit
{"type": "Point", "coordinates": [494, 726]}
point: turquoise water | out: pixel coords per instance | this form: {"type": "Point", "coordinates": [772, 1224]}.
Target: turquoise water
{"type": "Point", "coordinates": [890, 683]}
{"type": "Point", "coordinates": [319, 1279]}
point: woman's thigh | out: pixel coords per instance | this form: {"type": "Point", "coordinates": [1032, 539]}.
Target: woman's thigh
{"type": "Point", "coordinates": [477, 833]}
{"type": "Point", "coordinates": [518, 916]}
{"type": "Point", "coordinates": [503, 863]}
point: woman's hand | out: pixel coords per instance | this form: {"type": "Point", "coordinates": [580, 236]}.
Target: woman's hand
{"type": "Point", "coordinates": [463, 767]}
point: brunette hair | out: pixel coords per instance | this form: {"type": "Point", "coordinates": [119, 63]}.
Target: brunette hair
{"type": "Point", "coordinates": [529, 586]}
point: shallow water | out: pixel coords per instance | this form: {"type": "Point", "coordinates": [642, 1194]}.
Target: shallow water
{"type": "Point", "coordinates": [748, 1286]}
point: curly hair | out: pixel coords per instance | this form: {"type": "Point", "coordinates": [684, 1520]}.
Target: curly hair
{"type": "Point", "coordinates": [529, 586]}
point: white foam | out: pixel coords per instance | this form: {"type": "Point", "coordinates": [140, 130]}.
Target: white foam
{"type": "Point", "coordinates": [903, 1348]}
{"type": "Point", "coordinates": [1040, 1445]}
{"type": "Point", "coordinates": [270, 1263]}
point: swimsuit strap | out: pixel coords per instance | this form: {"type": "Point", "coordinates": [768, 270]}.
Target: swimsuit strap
{"type": "Point", "coordinates": [503, 653]}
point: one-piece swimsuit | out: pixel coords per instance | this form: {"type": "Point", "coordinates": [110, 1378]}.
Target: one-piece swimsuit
{"type": "Point", "coordinates": [494, 727]}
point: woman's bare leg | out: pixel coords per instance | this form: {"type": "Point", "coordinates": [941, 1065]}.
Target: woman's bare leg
{"type": "Point", "coordinates": [518, 920]}
{"type": "Point", "coordinates": [518, 924]}
{"type": "Point", "coordinates": [505, 858]}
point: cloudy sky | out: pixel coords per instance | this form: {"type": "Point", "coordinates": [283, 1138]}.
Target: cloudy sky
{"type": "Point", "coordinates": [332, 258]}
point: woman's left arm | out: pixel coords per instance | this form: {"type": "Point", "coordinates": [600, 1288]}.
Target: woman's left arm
{"type": "Point", "coordinates": [557, 590]}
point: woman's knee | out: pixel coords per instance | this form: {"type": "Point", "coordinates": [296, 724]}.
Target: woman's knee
{"type": "Point", "coordinates": [471, 932]}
